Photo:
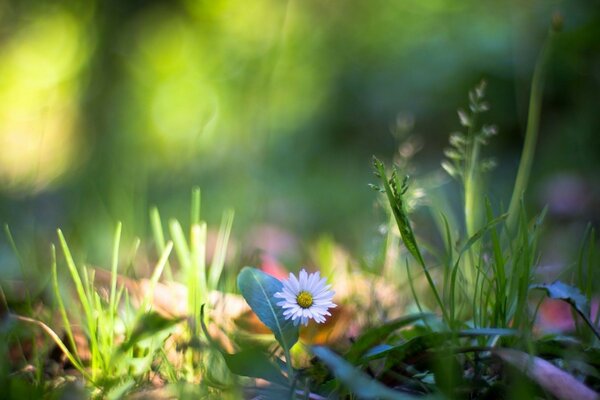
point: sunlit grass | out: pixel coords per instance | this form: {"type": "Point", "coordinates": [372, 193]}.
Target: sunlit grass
{"type": "Point", "coordinates": [446, 307]}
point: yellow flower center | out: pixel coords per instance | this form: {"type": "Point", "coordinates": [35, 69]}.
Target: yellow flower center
{"type": "Point", "coordinates": [304, 299]}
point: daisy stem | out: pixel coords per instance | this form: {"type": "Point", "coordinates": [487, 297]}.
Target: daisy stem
{"type": "Point", "coordinates": [288, 363]}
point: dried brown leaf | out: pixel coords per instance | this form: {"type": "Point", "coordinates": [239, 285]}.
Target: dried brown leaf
{"type": "Point", "coordinates": [551, 378]}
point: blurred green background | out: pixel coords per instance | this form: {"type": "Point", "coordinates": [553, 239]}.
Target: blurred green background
{"type": "Point", "coordinates": [274, 108]}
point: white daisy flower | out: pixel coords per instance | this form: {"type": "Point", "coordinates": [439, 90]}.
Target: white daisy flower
{"type": "Point", "coordinates": [305, 298]}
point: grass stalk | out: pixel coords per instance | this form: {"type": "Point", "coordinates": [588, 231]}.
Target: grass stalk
{"type": "Point", "coordinates": [216, 267]}
{"type": "Point", "coordinates": [531, 132]}
{"type": "Point", "coordinates": [112, 307]}
{"type": "Point", "coordinates": [159, 238]}
{"type": "Point", "coordinates": [61, 307]}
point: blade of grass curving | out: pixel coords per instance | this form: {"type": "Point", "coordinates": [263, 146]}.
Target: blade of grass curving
{"type": "Point", "coordinates": [159, 237]}
{"type": "Point", "coordinates": [477, 236]}
{"type": "Point", "coordinates": [499, 275]}
{"type": "Point", "coordinates": [357, 381]}
{"type": "Point", "coordinates": [58, 342]}
{"type": "Point", "coordinates": [158, 269]}
{"type": "Point", "coordinates": [449, 244]}
{"type": "Point", "coordinates": [425, 342]}
{"type": "Point", "coordinates": [181, 247]}
{"type": "Point", "coordinates": [61, 307]}
{"type": "Point", "coordinates": [82, 293]}
{"type": "Point", "coordinates": [13, 246]}
{"type": "Point", "coordinates": [148, 325]}
{"type": "Point", "coordinates": [531, 132]}
{"type": "Point", "coordinates": [216, 267]}
{"type": "Point", "coordinates": [468, 244]}
{"type": "Point", "coordinates": [380, 333]}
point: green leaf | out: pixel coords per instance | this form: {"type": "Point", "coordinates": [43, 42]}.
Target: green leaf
{"type": "Point", "coordinates": [561, 291]}
{"type": "Point", "coordinates": [255, 364]}
{"type": "Point", "coordinates": [409, 348]}
{"type": "Point", "coordinates": [259, 290]}
{"type": "Point", "coordinates": [422, 343]}
{"type": "Point", "coordinates": [149, 324]}
{"type": "Point", "coordinates": [376, 335]}
{"type": "Point", "coordinates": [250, 362]}
{"type": "Point", "coordinates": [477, 235]}
{"type": "Point", "coordinates": [357, 381]}
{"type": "Point", "coordinates": [489, 332]}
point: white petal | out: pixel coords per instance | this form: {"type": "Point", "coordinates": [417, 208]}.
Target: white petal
{"type": "Point", "coordinates": [289, 291]}
{"type": "Point", "coordinates": [288, 287]}
{"type": "Point", "coordinates": [324, 295]}
{"type": "Point", "coordinates": [312, 279]}
{"type": "Point", "coordinates": [294, 284]}
{"type": "Point", "coordinates": [303, 277]}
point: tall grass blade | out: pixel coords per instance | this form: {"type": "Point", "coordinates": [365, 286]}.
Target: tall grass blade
{"type": "Point", "coordinates": [216, 267]}
{"type": "Point", "coordinates": [159, 237]}
{"type": "Point", "coordinates": [531, 132]}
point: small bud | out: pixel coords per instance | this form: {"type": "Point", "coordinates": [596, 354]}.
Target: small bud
{"type": "Point", "coordinates": [449, 168]}
{"type": "Point", "coordinates": [465, 120]}
{"type": "Point", "coordinates": [453, 154]}
{"type": "Point", "coordinates": [457, 139]}
{"type": "Point", "coordinates": [473, 97]}
{"type": "Point", "coordinates": [483, 106]}
{"type": "Point", "coordinates": [487, 165]}
{"type": "Point", "coordinates": [480, 89]}
{"type": "Point", "coordinates": [489, 130]}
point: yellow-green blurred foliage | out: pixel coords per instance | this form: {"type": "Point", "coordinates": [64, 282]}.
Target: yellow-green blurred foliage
{"type": "Point", "coordinates": [40, 137]}
{"type": "Point", "coordinates": [273, 107]}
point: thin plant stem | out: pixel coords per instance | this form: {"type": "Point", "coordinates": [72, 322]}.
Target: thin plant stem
{"type": "Point", "coordinates": [531, 133]}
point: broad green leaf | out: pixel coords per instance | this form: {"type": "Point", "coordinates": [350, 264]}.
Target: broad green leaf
{"type": "Point", "coordinates": [561, 291]}
{"type": "Point", "coordinates": [255, 364]}
{"type": "Point", "coordinates": [259, 290]}
{"type": "Point", "coordinates": [378, 334]}
{"type": "Point", "coordinates": [357, 381]}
